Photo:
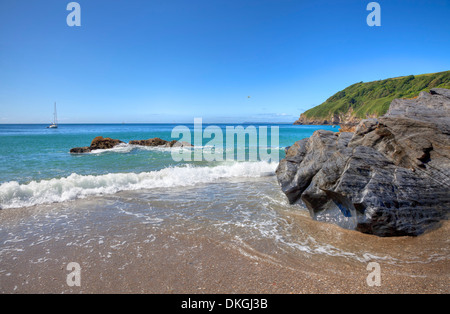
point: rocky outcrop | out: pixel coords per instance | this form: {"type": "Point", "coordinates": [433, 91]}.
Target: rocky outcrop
{"type": "Point", "coordinates": [108, 143]}
{"type": "Point", "coordinates": [347, 119]}
{"type": "Point", "coordinates": [391, 177]}
{"type": "Point", "coordinates": [160, 142]}
{"type": "Point", "coordinates": [104, 143]}
{"type": "Point", "coordinates": [97, 143]}
{"type": "Point", "coordinates": [150, 142]}
{"type": "Point", "coordinates": [304, 120]}
{"type": "Point", "coordinates": [347, 128]}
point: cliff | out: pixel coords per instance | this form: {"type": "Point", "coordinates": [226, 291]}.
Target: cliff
{"type": "Point", "coordinates": [391, 177]}
{"type": "Point", "coordinates": [371, 100]}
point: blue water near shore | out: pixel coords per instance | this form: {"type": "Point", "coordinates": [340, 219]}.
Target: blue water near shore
{"type": "Point", "coordinates": [36, 166]}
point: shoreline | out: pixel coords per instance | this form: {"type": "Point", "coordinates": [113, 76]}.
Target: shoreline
{"type": "Point", "coordinates": [123, 249]}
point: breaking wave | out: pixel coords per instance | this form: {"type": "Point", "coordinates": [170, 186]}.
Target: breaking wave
{"type": "Point", "coordinates": [15, 195]}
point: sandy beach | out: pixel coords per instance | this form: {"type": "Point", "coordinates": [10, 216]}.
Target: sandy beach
{"type": "Point", "coordinates": [123, 249]}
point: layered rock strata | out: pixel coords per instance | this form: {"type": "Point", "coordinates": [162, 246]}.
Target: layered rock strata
{"type": "Point", "coordinates": [390, 177]}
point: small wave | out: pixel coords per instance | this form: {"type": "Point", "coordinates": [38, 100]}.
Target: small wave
{"type": "Point", "coordinates": [125, 148]}
{"type": "Point", "coordinates": [15, 195]}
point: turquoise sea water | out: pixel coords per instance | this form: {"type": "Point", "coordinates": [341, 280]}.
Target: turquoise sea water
{"type": "Point", "coordinates": [124, 210]}
{"type": "Point", "coordinates": [36, 166]}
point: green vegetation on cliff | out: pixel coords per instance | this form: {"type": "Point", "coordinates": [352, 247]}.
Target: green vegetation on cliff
{"type": "Point", "coordinates": [374, 98]}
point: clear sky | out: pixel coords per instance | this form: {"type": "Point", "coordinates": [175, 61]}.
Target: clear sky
{"type": "Point", "coordinates": [173, 60]}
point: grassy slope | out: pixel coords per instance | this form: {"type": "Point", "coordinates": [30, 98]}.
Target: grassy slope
{"type": "Point", "coordinates": [374, 98]}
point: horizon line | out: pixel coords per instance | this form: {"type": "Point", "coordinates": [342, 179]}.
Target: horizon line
{"type": "Point", "coordinates": [128, 123]}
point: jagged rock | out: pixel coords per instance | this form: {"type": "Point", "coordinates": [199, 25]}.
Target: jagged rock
{"type": "Point", "coordinates": [107, 143]}
{"type": "Point", "coordinates": [160, 142]}
{"type": "Point", "coordinates": [433, 107]}
{"type": "Point", "coordinates": [97, 143]}
{"type": "Point", "coordinates": [346, 120]}
{"type": "Point", "coordinates": [390, 177]}
{"type": "Point", "coordinates": [80, 150]}
{"type": "Point", "coordinates": [104, 143]}
{"type": "Point", "coordinates": [303, 120]}
{"type": "Point", "coordinates": [150, 142]}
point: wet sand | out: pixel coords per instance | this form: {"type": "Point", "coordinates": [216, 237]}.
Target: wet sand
{"type": "Point", "coordinates": [124, 250]}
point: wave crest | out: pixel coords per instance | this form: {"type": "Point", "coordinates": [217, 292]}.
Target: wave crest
{"type": "Point", "coordinates": [15, 195]}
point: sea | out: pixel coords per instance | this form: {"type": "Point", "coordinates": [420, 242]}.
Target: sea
{"type": "Point", "coordinates": [37, 168]}
{"type": "Point", "coordinates": [115, 206]}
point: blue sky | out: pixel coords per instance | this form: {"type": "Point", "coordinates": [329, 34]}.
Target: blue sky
{"type": "Point", "coordinates": [173, 60]}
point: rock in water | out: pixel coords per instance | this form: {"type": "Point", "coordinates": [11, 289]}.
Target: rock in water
{"type": "Point", "coordinates": [179, 144]}
{"type": "Point", "coordinates": [104, 143]}
{"type": "Point", "coordinates": [80, 150]}
{"type": "Point", "coordinates": [150, 142]}
{"type": "Point", "coordinates": [160, 142]}
{"type": "Point", "coordinates": [97, 143]}
{"type": "Point", "coordinates": [391, 177]}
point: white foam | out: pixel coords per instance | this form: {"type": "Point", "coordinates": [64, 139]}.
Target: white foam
{"type": "Point", "coordinates": [125, 148]}
{"type": "Point", "coordinates": [15, 195]}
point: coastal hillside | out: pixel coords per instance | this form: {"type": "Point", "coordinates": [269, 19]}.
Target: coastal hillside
{"type": "Point", "coordinates": [370, 100]}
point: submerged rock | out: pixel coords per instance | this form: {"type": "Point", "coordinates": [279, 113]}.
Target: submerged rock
{"type": "Point", "coordinates": [390, 177]}
{"type": "Point", "coordinates": [179, 144]}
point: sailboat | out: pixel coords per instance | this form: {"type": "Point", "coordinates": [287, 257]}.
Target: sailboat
{"type": "Point", "coordinates": [54, 125]}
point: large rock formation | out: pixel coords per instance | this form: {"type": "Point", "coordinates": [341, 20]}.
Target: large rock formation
{"type": "Point", "coordinates": [390, 177]}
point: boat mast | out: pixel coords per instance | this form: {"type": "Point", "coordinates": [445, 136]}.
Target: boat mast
{"type": "Point", "coordinates": [55, 120]}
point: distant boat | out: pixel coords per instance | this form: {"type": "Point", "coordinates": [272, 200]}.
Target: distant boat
{"type": "Point", "coordinates": [54, 125]}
